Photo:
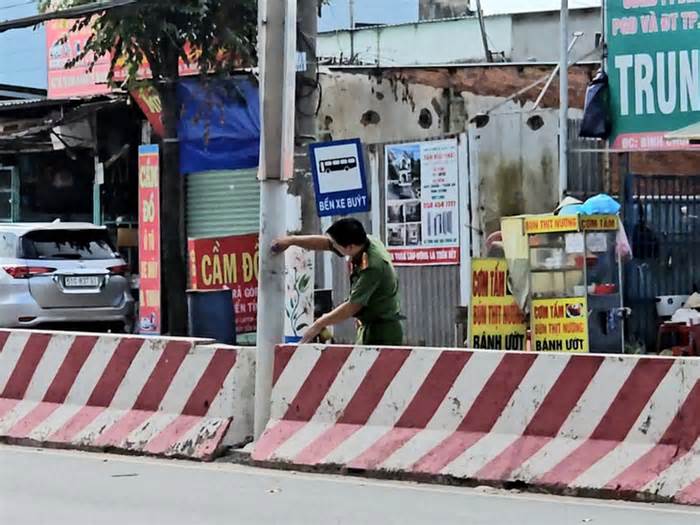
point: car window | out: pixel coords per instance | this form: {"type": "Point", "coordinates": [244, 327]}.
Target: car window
{"type": "Point", "coordinates": [68, 244]}
{"type": "Point", "coordinates": [8, 245]}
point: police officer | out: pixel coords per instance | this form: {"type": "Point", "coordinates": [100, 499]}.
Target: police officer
{"type": "Point", "coordinates": [374, 291]}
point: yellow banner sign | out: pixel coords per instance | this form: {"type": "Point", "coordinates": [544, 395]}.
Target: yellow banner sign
{"type": "Point", "coordinates": [495, 319]}
{"type": "Point", "coordinates": [551, 224]}
{"type": "Point", "coordinates": [599, 223]}
{"type": "Point", "coordinates": [560, 325]}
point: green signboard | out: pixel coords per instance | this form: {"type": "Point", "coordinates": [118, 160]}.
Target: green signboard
{"type": "Point", "coordinates": [654, 68]}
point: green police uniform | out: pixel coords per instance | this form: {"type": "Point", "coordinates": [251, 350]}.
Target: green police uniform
{"type": "Point", "coordinates": [375, 286]}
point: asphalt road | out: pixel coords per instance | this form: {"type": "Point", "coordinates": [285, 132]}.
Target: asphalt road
{"type": "Point", "coordinates": [54, 487]}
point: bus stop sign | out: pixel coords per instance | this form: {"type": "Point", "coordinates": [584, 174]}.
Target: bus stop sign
{"type": "Point", "coordinates": [339, 178]}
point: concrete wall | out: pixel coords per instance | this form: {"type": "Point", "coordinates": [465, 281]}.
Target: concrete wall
{"type": "Point", "coordinates": [528, 37]}
{"type": "Point", "coordinates": [518, 166]}
{"type": "Point", "coordinates": [536, 35]}
{"type": "Point", "coordinates": [441, 42]}
{"type": "Point", "coordinates": [379, 109]}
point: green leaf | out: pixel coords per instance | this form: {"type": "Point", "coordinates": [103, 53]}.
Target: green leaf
{"type": "Point", "coordinates": [304, 283]}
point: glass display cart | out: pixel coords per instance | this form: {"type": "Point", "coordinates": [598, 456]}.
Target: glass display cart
{"type": "Point", "coordinates": [575, 283]}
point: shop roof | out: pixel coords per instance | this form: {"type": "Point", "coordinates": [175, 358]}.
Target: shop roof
{"type": "Point", "coordinates": [21, 104]}
{"type": "Point", "coordinates": [10, 91]}
{"type": "Point", "coordinates": [691, 132]}
{"type": "Point", "coordinates": [25, 125]}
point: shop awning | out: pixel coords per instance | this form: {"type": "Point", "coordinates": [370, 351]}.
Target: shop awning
{"type": "Point", "coordinates": [691, 133]}
{"type": "Point", "coordinates": [28, 125]}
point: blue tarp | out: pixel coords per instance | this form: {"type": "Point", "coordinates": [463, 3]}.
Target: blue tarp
{"type": "Point", "coordinates": [219, 125]}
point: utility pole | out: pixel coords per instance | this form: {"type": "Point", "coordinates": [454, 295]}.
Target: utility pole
{"type": "Point", "coordinates": [564, 99]}
{"type": "Point", "coordinates": [307, 97]}
{"type": "Point", "coordinates": [351, 8]}
{"type": "Point", "coordinates": [484, 36]}
{"type": "Point", "coordinates": [277, 52]}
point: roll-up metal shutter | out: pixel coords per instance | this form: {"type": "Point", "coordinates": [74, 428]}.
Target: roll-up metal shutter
{"type": "Point", "coordinates": [222, 203]}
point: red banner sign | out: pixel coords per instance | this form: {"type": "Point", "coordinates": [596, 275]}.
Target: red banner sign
{"type": "Point", "coordinates": [148, 100]}
{"type": "Point", "coordinates": [80, 80]}
{"type": "Point", "coordinates": [149, 240]}
{"type": "Point", "coordinates": [424, 256]}
{"type": "Point", "coordinates": [229, 262]}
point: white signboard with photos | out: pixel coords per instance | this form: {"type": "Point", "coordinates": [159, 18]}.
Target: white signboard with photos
{"type": "Point", "coordinates": [422, 203]}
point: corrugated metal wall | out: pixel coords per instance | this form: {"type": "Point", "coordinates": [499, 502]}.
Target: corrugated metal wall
{"type": "Point", "coordinates": [429, 294]}
{"type": "Point", "coordinates": [222, 203]}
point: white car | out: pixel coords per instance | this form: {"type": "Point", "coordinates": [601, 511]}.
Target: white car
{"type": "Point", "coordinates": [62, 273]}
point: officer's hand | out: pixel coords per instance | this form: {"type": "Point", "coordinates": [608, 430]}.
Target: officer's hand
{"type": "Point", "coordinates": [281, 245]}
{"type": "Point", "coordinates": [311, 333]}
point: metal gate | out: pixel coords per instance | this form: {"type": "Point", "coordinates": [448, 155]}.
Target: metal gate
{"type": "Point", "coordinates": [662, 218]}
{"type": "Point", "coordinates": [222, 203]}
{"type": "Point", "coordinates": [587, 164]}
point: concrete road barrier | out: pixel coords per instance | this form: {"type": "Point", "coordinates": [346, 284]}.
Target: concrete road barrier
{"type": "Point", "coordinates": [622, 426]}
{"type": "Point", "coordinates": [153, 395]}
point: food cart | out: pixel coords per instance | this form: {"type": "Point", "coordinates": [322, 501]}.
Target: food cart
{"type": "Point", "coordinates": [575, 283]}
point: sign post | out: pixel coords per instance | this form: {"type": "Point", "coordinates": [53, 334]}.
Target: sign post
{"type": "Point", "coordinates": [149, 240]}
{"type": "Point", "coordinates": [339, 178]}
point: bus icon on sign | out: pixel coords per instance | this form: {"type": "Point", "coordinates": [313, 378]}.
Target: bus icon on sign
{"type": "Point", "coordinates": [342, 164]}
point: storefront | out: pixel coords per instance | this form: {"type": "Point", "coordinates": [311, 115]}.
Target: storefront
{"type": "Point", "coordinates": [219, 135]}
{"type": "Point", "coordinates": [73, 160]}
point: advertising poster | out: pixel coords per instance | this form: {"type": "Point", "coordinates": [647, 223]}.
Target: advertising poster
{"type": "Point", "coordinates": [653, 48]}
{"type": "Point", "coordinates": [422, 203]}
{"type": "Point", "coordinates": [230, 262]}
{"type": "Point", "coordinates": [560, 325]}
{"type": "Point", "coordinates": [495, 319]}
{"type": "Point", "coordinates": [80, 80]}
{"type": "Point", "coordinates": [149, 240]}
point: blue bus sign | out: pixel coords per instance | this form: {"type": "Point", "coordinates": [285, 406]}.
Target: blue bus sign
{"type": "Point", "coordinates": [339, 178]}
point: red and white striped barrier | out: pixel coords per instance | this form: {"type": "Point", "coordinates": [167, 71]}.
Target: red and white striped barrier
{"type": "Point", "coordinates": [147, 395]}
{"type": "Point", "coordinates": [626, 425]}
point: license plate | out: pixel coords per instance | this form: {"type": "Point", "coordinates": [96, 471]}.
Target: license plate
{"type": "Point", "coordinates": [87, 281]}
